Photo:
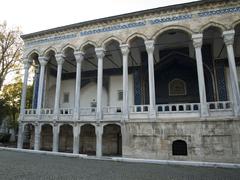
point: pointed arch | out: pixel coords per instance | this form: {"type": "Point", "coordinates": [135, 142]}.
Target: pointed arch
{"type": "Point", "coordinates": [172, 27]}
{"type": "Point", "coordinates": [109, 39]}
{"type": "Point", "coordinates": [46, 51]}
{"type": "Point", "coordinates": [28, 123]}
{"type": "Point", "coordinates": [66, 46]}
{"type": "Point", "coordinates": [67, 124]}
{"type": "Point", "coordinates": [50, 124]}
{"type": "Point", "coordinates": [213, 24]}
{"type": "Point", "coordinates": [134, 35]}
{"type": "Point", "coordinates": [30, 54]}
{"type": "Point", "coordinates": [234, 24]}
{"type": "Point", "coordinates": [81, 48]}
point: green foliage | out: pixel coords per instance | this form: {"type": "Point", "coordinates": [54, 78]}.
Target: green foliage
{"type": "Point", "coordinates": [11, 101]}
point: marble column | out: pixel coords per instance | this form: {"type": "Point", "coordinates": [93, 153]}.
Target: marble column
{"type": "Point", "coordinates": [152, 100]}
{"type": "Point", "coordinates": [43, 62]}
{"type": "Point", "coordinates": [79, 58]}
{"type": "Point", "coordinates": [125, 105]}
{"type": "Point", "coordinates": [197, 43]}
{"type": "Point", "coordinates": [99, 132]}
{"type": "Point", "coordinates": [76, 134]}
{"type": "Point", "coordinates": [229, 40]}
{"type": "Point", "coordinates": [20, 135]}
{"type": "Point", "coordinates": [24, 87]}
{"type": "Point", "coordinates": [55, 137]}
{"type": "Point", "coordinates": [35, 87]}
{"type": "Point", "coordinates": [37, 135]}
{"type": "Point", "coordinates": [60, 61]}
{"type": "Point", "coordinates": [100, 55]}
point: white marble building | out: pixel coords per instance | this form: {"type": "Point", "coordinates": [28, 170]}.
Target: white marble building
{"type": "Point", "coordinates": [160, 83]}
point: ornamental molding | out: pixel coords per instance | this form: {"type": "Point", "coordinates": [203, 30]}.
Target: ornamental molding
{"type": "Point", "coordinates": [133, 25]}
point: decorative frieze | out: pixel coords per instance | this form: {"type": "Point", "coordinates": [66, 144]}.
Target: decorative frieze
{"type": "Point", "coordinates": [136, 24]}
{"type": "Point", "coordinates": [219, 12]}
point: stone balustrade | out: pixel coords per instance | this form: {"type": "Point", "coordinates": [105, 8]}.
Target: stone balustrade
{"type": "Point", "coordinates": [223, 108]}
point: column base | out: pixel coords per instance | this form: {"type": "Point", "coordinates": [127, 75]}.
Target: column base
{"type": "Point", "coordinates": [152, 113]}
{"type": "Point", "coordinates": [204, 111]}
{"type": "Point", "coordinates": [99, 116]}
{"type": "Point", "coordinates": [125, 116]}
{"type": "Point", "coordinates": [236, 111]}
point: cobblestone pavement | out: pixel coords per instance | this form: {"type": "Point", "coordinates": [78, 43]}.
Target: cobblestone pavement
{"type": "Point", "coordinates": [27, 166]}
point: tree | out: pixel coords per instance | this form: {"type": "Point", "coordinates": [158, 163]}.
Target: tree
{"type": "Point", "coordinates": [10, 51]}
{"type": "Point", "coordinates": [11, 96]}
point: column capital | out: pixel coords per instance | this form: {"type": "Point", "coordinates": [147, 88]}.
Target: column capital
{"type": "Point", "coordinates": [79, 56]}
{"type": "Point", "coordinates": [43, 60]}
{"type": "Point", "coordinates": [124, 49]}
{"type": "Point", "coordinates": [197, 40]}
{"type": "Point", "coordinates": [26, 63]}
{"type": "Point", "coordinates": [100, 52]}
{"type": "Point", "coordinates": [228, 37]}
{"type": "Point", "coordinates": [60, 58]}
{"type": "Point", "coordinates": [149, 45]}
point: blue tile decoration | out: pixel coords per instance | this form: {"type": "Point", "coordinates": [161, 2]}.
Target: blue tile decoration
{"type": "Point", "coordinates": [221, 82]}
{"type": "Point", "coordinates": [113, 28]}
{"type": "Point", "coordinates": [219, 12]}
{"type": "Point", "coordinates": [52, 39]}
{"type": "Point", "coordinates": [137, 87]}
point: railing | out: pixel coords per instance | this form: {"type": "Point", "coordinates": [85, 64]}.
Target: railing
{"type": "Point", "coordinates": [139, 109]}
{"type": "Point", "coordinates": [225, 107]}
{"type": "Point", "coordinates": [220, 106]}
{"type": "Point", "coordinates": [66, 111]}
{"type": "Point", "coordinates": [178, 108]}
{"type": "Point", "coordinates": [88, 111]}
{"type": "Point", "coordinates": [30, 111]}
{"type": "Point", "coordinates": [112, 110]}
{"type": "Point", "coordinates": [46, 111]}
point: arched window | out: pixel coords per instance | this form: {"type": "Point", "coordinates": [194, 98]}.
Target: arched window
{"type": "Point", "coordinates": [179, 148]}
{"type": "Point", "coordinates": [177, 87]}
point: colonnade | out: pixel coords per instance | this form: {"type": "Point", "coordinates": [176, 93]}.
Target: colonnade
{"type": "Point", "coordinates": [149, 44]}
{"type": "Point", "coordinates": [56, 132]}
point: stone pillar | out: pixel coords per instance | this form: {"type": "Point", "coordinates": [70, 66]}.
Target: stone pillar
{"type": "Point", "coordinates": [76, 133]}
{"type": "Point", "coordinates": [152, 100]}
{"type": "Point", "coordinates": [99, 132]}
{"type": "Point", "coordinates": [37, 137]}
{"type": "Point", "coordinates": [55, 137]}
{"type": "Point", "coordinates": [43, 61]}
{"type": "Point", "coordinates": [24, 87]}
{"type": "Point", "coordinates": [125, 105]}
{"type": "Point", "coordinates": [229, 40]}
{"type": "Point", "coordinates": [100, 55]}
{"type": "Point", "coordinates": [35, 87]}
{"type": "Point", "coordinates": [79, 58]}
{"type": "Point", "coordinates": [197, 43]}
{"type": "Point", "coordinates": [20, 135]}
{"type": "Point", "coordinates": [60, 61]}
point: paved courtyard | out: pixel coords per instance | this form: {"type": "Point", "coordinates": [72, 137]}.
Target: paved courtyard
{"type": "Point", "coordinates": [27, 166]}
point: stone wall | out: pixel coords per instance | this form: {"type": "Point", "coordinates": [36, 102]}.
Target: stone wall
{"type": "Point", "coordinates": [207, 140]}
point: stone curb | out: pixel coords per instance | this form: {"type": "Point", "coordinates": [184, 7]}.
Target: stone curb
{"type": "Point", "coordinates": [132, 160]}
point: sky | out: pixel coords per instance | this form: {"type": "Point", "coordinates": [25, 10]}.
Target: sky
{"type": "Point", "coordinates": [32, 15]}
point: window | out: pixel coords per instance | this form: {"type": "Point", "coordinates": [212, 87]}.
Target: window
{"type": "Point", "coordinates": [179, 148]}
{"type": "Point", "coordinates": [177, 87]}
{"type": "Point", "coordinates": [120, 95]}
{"type": "Point", "coordinates": [66, 97]}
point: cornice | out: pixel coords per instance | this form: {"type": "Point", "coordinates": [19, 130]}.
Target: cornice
{"type": "Point", "coordinates": [134, 16]}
